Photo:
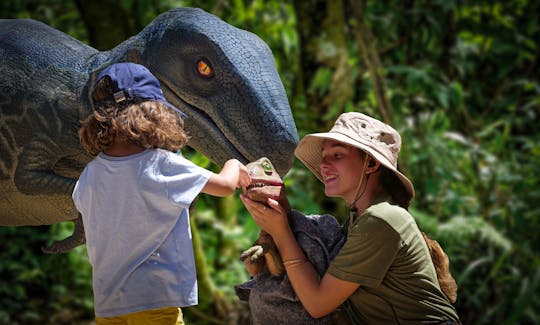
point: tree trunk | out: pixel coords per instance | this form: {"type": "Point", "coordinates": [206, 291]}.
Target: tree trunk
{"type": "Point", "coordinates": [368, 51]}
{"type": "Point", "coordinates": [310, 17]}
{"type": "Point", "coordinates": [107, 22]}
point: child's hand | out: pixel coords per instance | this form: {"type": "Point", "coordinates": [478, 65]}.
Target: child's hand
{"type": "Point", "coordinates": [243, 179]}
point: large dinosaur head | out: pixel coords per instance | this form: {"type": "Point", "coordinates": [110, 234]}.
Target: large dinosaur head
{"type": "Point", "coordinates": [226, 81]}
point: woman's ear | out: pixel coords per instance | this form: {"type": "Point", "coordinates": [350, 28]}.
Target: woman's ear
{"type": "Point", "coordinates": [373, 165]}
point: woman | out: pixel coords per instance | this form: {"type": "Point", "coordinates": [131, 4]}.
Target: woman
{"type": "Point", "coordinates": [384, 270]}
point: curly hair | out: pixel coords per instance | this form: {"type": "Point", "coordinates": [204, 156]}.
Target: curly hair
{"type": "Point", "coordinates": [149, 124]}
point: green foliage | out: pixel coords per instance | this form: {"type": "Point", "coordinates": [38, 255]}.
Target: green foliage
{"type": "Point", "coordinates": [462, 82]}
{"type": "Point", "coordinates": [466, 103]}
{"type": "Point", "coordinates": [37, 288]}
{"type": "Point", "coordinates": [60, 14]}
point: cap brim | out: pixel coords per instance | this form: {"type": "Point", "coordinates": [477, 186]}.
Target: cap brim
{"type": "Point", "coordinates": [176, 109]}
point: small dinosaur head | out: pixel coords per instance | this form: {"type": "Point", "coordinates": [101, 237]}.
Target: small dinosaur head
{"type": "Point", "coordinates": [265, 181]}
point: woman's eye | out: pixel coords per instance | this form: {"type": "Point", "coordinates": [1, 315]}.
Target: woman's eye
{"type": "Point", "coordinates": [204, 69]}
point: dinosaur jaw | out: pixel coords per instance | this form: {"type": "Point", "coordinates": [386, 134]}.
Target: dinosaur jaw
{"type": "Point", "coordinates": [262, 189]}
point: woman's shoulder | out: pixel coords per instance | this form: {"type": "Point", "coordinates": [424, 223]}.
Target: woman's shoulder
{"type": "Point", "coordinates": [385, 208]}
{"type": "Point", "coordinates": [392, 214]}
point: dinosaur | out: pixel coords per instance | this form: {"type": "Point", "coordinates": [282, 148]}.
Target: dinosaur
{"type": "Point", "coordinates": [222, 77]}
{"type": "Point", "coordinates": [269, 293]}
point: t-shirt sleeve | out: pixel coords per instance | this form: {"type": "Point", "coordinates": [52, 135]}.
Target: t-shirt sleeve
{"type": "Point", "coordinates": [368, 252]}
{"type": "Point", "coordinates": [186, 181]}
{"type": "Point", "coordinates": [76, 195]}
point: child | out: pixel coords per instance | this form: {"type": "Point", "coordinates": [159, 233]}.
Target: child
{"type": "Point", "coordinates": [134, 198]}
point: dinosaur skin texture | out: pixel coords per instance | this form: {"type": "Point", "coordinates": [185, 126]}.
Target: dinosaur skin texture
{"type": "Point", "coordinates": [236, 108]}
{"type": "Point", "coordinates": [266, 183]}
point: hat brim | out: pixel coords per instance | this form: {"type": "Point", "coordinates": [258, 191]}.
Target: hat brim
{"type": "Point", "coordinates": [309, 152]}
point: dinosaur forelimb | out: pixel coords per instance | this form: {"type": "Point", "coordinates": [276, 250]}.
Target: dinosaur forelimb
{"type": "Point", "coordinates": [67, 244]}
{"type": "Point", "coordinates": [274, 262]}
{"type": "Point", "coordinates": [252, 260]}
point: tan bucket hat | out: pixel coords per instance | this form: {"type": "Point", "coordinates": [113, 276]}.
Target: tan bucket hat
{"type": "Point", "coordinates": [378, 139]}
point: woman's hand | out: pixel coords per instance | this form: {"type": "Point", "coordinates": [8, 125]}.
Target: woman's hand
{"type": "Point", "coordinates": [271, 218]}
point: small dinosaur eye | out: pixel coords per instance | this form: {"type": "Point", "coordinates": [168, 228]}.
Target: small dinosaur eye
{"type": "Point", "coordinates": [204, 69]}
{"type": "Point", "coordinates": [267, 169]}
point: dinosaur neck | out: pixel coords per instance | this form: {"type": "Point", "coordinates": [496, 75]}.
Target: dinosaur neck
{"type": "Point", "coordinates": [130, 50]}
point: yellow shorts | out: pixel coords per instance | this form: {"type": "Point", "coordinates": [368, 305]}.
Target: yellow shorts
{"type": "Point", "coordinates": [160, 316]}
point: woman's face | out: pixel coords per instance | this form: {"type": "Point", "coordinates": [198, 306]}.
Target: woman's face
{"type": "Point", "coordinates": [341, 169]}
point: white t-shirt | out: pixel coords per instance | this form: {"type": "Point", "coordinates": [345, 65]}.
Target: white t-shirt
{"type": "Point", "coordinates": [136, 220]}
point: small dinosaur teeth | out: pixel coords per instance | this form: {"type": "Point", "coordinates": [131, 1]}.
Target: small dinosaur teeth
{"type": "Point", "coordinates": [256, 185]}
{"type": "Point", "coordinates": [253, 185]}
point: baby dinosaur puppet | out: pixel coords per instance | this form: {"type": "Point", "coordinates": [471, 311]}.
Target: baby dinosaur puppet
{"type": "Point", "coordinates": [266, 183]}
{"type": "Point", "coordinates": [269, 293]}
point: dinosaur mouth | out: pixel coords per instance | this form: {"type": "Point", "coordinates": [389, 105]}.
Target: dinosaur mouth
{"type": "Point", "coordinates": [262, 190]}
{"type": "Point", "coordinates": [264, 184]}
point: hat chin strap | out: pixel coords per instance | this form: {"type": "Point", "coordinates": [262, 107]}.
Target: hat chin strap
{"type": "Point", "coordinates": [358, 192]}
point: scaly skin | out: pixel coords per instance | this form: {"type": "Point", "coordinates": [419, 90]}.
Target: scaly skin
{"type": "Point", "coordinates": [46, 76]}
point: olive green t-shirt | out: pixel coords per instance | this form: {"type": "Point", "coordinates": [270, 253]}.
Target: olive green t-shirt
{"type": "Point", "coordinates": [386, 254]}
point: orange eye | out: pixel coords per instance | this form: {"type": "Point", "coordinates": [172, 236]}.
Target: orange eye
{"type": "Point", "coordinates": [204, 69]}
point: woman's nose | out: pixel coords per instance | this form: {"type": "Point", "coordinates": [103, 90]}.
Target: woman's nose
{"type": "Point", "coordinates": [323, 164]}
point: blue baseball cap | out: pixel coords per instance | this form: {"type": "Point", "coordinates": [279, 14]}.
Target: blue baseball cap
{"type": "Point", "coordinates": [135, 82]}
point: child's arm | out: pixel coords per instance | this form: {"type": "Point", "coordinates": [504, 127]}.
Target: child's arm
{"type": "Point", "coordinates": [234, 174]}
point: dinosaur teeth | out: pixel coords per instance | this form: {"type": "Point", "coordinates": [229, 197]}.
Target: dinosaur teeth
{"type": "Point", "coordinates": [253, 185]}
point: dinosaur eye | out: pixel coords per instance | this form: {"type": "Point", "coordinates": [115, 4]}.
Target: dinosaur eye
{"type": "Point", "coordinates": [204, 69]}
{"type": "Point", "coordinates": [267, 168]}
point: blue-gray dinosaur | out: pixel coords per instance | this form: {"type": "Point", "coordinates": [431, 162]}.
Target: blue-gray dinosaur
{"type": "Point", "coordinates": [222, 77]}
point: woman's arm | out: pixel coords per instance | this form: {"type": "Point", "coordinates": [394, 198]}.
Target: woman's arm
{"type": "Point", "coordinates": [319, 296]}
{"type": "Point", "coordinates": [233, 175]}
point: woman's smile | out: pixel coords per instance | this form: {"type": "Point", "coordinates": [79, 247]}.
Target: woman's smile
{"type": "Point", "coordinates": [329, 179]}
{"type": "Point", "coordinates": [339, 168]}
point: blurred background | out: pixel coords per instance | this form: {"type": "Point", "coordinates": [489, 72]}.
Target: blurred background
{"type": "Point", "coordinates": [459, 79]}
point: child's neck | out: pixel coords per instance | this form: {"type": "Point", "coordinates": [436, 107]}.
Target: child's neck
{"type": "Point", "coordinates": [121, 149]}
